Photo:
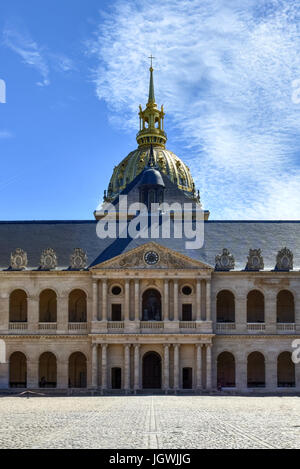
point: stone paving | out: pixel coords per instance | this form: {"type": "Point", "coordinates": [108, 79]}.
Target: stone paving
{"type": "Point", "coordinates": [150, 422]}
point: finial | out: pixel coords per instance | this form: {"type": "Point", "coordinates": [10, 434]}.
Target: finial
{"type": "Point", "coordinates": [151, 84]}
{"type": "Point", "coordinates": [151, 161]}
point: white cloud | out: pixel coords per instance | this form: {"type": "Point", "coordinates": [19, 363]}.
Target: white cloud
{"type": "Point", "coordinates": [225, 73]}
{"type": "Point", "coordinates": [5, 134]}
{"type": "Point", "coordinates": [31, 53]}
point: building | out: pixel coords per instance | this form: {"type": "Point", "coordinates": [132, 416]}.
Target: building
{"type": "Point", "coordinates": [78, 311]}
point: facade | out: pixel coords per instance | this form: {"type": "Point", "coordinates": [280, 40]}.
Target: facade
{"type": "Point", "coordinates": [78, 311]}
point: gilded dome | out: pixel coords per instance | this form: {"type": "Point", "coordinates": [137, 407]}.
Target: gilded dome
{"type": "Point", "coordinates": [165, 160]}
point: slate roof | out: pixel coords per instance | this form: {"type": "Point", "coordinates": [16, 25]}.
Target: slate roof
{"type": "Point", "coordinates": [63, 236]}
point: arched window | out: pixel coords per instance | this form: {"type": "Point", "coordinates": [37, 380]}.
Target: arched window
{"type": "Point", "coordinates": [225, 306]}
{"type": "Point", "coordinates": [77, 306]}
{"type": "Point", "coordinates": [285, 306]}
{"type": "Point", "coordinates": [255, 306]}
{"type": "Point", "coordinates": [18, 306]}
{"type": "Point", "coordinates": [285, 370]}
{"type": "Point", "coordinates": [256, 370]}
{"type": "Point", "coordinates": [47, 370]}
{"type": "Point", "coordinates": [226, 370]}
{"type": "Point", "coordinates": [151, 305]}
{"type": "Point", "coordinates": [77, 370]}
{"type": "Point", "coordinates": [48, 306]}
{"type": "Point", "coordinates": [18, 370]}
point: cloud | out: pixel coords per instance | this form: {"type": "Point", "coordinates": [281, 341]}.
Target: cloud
{"type": "Point", "coordinates": [225, 72]}
{"type": "Point", "coordinates": [19, 40]}
{"type": "Point", "coordinates": [5, 134]}
{"type": "Point", "coordinates": [31, 53]}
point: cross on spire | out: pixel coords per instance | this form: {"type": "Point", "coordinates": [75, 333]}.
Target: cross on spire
{"type": "Point", "coordinates": [151, 58]}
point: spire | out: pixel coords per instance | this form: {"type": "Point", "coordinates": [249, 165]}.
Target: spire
{"type": "Point", "coordinates": [151, 99]}
{"type": "Point", "coordinates": [151, 120]}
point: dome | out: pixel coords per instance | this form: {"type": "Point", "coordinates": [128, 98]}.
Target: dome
{"type": "Point", "coordinates": [167, 163]}
{"type": "Point", "coordinates": [152, 177]}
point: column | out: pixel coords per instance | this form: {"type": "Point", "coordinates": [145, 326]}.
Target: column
{"type": "Point", "coordinates": [208, 367]}
{"type": "Point", "coordinates": [175, 300]}
{"type": "Point", "coordinates": [270, 312]}
{"type": "Point", "coordinates": [62, 313]}
{"type": "Point", "coordinates": [271, 371]}
{"type": "Point", "coordinates": [126, 300]}
{"type": "Point", "coordinates": [4, 311]}
{"type": "Point", "coordinates": [104, 367]}
{"type": "Point", "coordinates": [127, 367]}
{"type": "Point", "coordinates": [176, 366]}
{"type": "Point", "coordinates": [137, 299]}
{"type": "Point", "coordinates": [208, 301]}
{"type": "Point", "coordinates": [199, 367]}
{"type": "Point", "coordinates": [166, 300]}
{"type": "Point", "coordinates": [94, 365]}
{"type": "Point", "coordinates": [166, 367]}
{"type": "Point", "coordinates": [136, 367]}
{"type": "Point", "coordinates": [95, 300]}
{"type": "Point", "coordinates": [198, 300]}
{"type": "Point", "coordinates": [33, 312]}
{"type": "Point", "coordinates": [62, 374]}
{"type": "Point", "coordinates": [32, 374]}
{"type": "Point", "coordinates": [104, 299]}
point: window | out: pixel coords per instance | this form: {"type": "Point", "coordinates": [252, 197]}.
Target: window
{"type": "Point", "coordinates": [187, 312]}
{"type": "Point", "coordinates": [116, 290]}
{"type": "Point", "coordinates": [116, 312]}
{"type": "Point", "coordinates": [186, 290]}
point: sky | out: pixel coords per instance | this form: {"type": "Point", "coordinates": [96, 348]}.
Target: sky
{"type": "Point", "coordinates": [227, 72]}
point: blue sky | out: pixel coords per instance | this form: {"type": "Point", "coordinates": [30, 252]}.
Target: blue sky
{"type": "Point", "coordinates": [227, 72]}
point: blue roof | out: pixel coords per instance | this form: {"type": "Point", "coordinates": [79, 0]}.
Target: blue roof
{"type": "Point", "coordinates": [64, 236]}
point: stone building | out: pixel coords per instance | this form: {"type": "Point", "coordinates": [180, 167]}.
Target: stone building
{"type": "Point", "coordinates": [79, 311]}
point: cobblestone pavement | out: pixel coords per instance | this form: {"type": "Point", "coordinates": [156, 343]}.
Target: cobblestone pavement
{"type": "Point", "coordinates": [150, 422]}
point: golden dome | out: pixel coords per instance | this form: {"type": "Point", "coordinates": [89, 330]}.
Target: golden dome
{"type": "Point", "coordinates": [166, 161]}
{"type": "Point", "coordinates": [151, 133]}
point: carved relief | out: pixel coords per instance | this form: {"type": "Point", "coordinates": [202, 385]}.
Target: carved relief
{"type": "Point", "coordinates": [255, 260]}
{"type": "Point", "coordinates": [48, 259]}
{"type": "Point", "coordinates": [284, 260]}
{"type": "Point", "coordinates": [78, 259]}
{"type": "Point", "coordinates": [162, 163]}
{"type": "Point", "coordinates": [225, 261]}
{"type": "Point", "coordinates": [18, 259]}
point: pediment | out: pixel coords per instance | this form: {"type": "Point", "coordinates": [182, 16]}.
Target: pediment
{"type": "Point", "coordinates": [167, 259]}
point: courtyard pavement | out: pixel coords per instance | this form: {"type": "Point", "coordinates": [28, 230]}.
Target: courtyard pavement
{"type": "Point", "coordinates": [169, 422]}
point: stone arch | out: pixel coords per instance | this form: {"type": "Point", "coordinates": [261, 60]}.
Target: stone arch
{"type": "Point", "coordinates": [255, 306]}
{"type": "Point", "coordinates": [225, 306]}
{"type": "Point", "coordinates": [226, 370]}
{"type": "Point", "coordinates": [285, 306]}
{"type": "Point", "coordinates": [151, 305]}
{"type": "Point", "coordinates": [256, 373]}
{"type": "Point", "coordinates": [77, 370]}
{"type": "Point", "coordinates": [285, 370]}
{"type": "Point", "coordinates": [48, 306]}
{"type": "Point", "coordinates": [152, 370]}
{"type": "Point", "coordinates": [77, 306]}
{"type": "Point", "coordinates": [17, 370]}
{"type": "Point", "coordinates": [47, 370]}
{"type": "Point", "coordinates": [18, 306]}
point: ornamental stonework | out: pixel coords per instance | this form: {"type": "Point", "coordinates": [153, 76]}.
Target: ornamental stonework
{"type": "Point", "coordinates": [48, 259]}
{"type": "Point", "coordinates": [78, 259]}
{"type": "Point", "coordinates": [18, 259]}
{"type": "Point", "coordinates": [225, 261]}
{"type": "Point", "coordinates": [284, 260]}
{"type": "Point", "coordinates": [255, 260]}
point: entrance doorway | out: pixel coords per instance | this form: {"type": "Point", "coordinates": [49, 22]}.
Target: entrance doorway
{"type": "Point", "coordinates": [116, 378]}
{"type": "Point", "coordinates": [151, 371]}
{"type": "Point", "coordinates": [187, 378]}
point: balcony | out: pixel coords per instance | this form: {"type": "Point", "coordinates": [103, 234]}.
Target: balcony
{"type": "Point", "coordinates": [256, 326]}
{"type": "Point", "coordinates": [225, 327]}
{"type": "Point", "coordinates": [286, 327]}
{"type": "Point", "coordinates": [18, 326]}
{"type": "Point", "coordinates": [184, 326]}
{"type": "Point", "coordinates": [77, 327]}
{"type": "Point", "coordinates": [115, 326]}
{"type": "Point", "coordinates": [151, 326]}
{"type": "Point", "coordinates": [48, 327]}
